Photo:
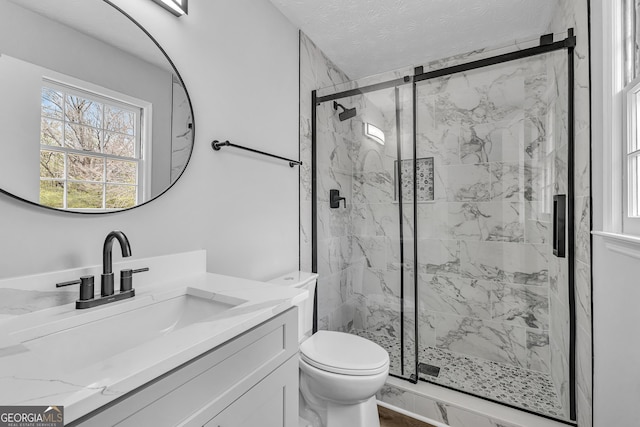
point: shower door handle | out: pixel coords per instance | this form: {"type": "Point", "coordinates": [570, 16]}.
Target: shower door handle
{"type": "Point", "coordinates": [559, 224]}
{"type": "Point", "coordinates": [334, 199]}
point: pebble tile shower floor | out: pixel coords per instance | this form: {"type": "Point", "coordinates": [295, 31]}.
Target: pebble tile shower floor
{"type": "Point", "coordinates": [530, 390]}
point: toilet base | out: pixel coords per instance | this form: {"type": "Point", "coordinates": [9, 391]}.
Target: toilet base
{"type": "Point", "coordinates": [363, 414]}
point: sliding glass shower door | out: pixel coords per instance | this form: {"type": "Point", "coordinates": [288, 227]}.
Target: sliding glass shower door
{"type": "Point", "coordinates": [493, 296]}
{"type": "Point", "coordinates": [364, 219]}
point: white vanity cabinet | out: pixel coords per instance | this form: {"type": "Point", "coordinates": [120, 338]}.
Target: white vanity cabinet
{"type": "Point", "coordinates": [251, 380]}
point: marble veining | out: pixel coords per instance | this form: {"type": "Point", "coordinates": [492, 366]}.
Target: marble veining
{"type": "Point", "coordinates": [21, 301]}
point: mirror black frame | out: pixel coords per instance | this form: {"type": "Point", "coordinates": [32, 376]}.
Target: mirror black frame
{"type": "Point", "coordinates": [193, 130]}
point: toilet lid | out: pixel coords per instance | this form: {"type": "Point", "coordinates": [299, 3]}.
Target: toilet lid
{"type": "Point", "coordinates": [342, 353]}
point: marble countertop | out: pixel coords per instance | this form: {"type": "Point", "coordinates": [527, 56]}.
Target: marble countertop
{"type": "Point", "coordinates": [35, 377]}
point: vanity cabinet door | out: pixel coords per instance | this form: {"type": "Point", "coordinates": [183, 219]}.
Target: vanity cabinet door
{"type": "Point", "coordinates": [270, 403]}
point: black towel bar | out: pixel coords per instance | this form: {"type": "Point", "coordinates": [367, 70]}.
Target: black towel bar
{"type": "Point", "coordinates": [216, 145]}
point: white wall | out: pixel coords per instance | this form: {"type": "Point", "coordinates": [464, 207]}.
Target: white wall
{"type": "Point", "coordinates": [21, 88]}
{"type": "Point", "coordinates": [239, 61]}
{"type": "Point", "coordinates": [616, 299]}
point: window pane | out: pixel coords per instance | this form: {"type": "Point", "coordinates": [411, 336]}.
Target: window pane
{"type": "Point", "coordinates": [633, 186]}
{"type": "Point", "coordinates": [51, 164]}
{"type": "Point", "coordinates": [119, 145]}
{"type": "Point", "coordinates": [51, 132]}
{"type": "Point", "coordinates": [121, 196]}
{"type": "Point", "coordinates": [86, 168]}
{"type": "Point", "coordinates": [122, 172]}
{"type": "Point", "coordinates": [84, 195]}
{"type": "Point", "coordinates": [119, 120]}
{"type": "Point", "coordinates": [82, 138]}
{"type": "Point", "coordinates": [51, 103]}
{"type": "Point", "coordinates": [52, 193]}
{"type": "Point", "coordinates": [83, 111]}
{"type": "Point", "coordinates": [636, 38]}
{"type": "Point", "coordinates": [633, 115]}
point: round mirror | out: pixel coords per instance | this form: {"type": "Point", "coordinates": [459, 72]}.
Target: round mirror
{"type": "Point", "coordinates": [94, 117]}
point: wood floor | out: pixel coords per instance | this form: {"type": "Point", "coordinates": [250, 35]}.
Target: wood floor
{"type": "Point", "coordinates": [389, 418]}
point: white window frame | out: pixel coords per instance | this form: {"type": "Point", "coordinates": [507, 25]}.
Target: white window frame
{"type": "Point", "coordinates": [630, 147]}
{"type": "Point", "coordinates": [608, 113]}
{"type": "Point", "coordinates": [630, 177]}
{"type": "Point", "coordinates": [72, 84]}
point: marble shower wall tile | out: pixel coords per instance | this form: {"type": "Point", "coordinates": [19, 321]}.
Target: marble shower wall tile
{"type": "Point", "coordinates": [427, 326]}
{"type": "Point", "coordinates": [505, 262]}
{"type": "Point", "coordinates": [482, 338]}
{"type": "Point", "coordinates": [381, 283]}
{"type": "Point", "coordinates": [439, 256]}
{"type": "Point", "coordinates": [379, 315]}
{"type": "Point", "coordinates": [334, 254]}
{"type": "Point", "coordinates": [584, 364]}
{"type": "Point", "coordinates": [376, 220]}
{"type": "Point", "coordinates": [583, 229]}
{"type": "Point", "coordinates": [373, 187]}
{"type": "Point", "coordinates": [333, 222]}
{"type": "Point", "coordinates": [457, 183]}
{"type": "Point", "coordinates": [442, 143]}
{"type": "Point", "coordinates": [333, 151]}
{"type": "Point", "coordinates": [432, 221]}
{"type": "Point", "coordinates": [476, 96]}
{"type": "Point", "coordinates": [371, 250]}
{"type": "Point", "coordinates": [491, 142]}
{"type": "Point", "coordinates": [559, 345]}
{"type": "Point", "coordinates": [342, 318]}
{"type": "Point", "coordinates": [521, 305]}
{"type": "Point", "coordinates": [332, 292]}
{"type": "Point", "coordinates": [453, 295]}
{"type": "Point", "coordinates": [538, 351]}
{"type": "Point", "coordinates": [583, 295]}
{"type": "Point", "coordinates": [492, 221]}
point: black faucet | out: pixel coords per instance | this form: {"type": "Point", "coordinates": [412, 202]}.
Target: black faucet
{"type": "Point", "coordinates": [87, 299]}
{"type": "Point", "coordinates": [106, 283]}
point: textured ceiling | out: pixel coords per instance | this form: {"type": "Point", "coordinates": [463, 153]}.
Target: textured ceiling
{"type": "Point", "coordinates": [367, 37]}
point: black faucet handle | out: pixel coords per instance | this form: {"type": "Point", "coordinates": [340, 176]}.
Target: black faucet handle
{"type": "Point", "coordinates": [86, 286]}
{"type": "Point", "coordinates": [126, 278]}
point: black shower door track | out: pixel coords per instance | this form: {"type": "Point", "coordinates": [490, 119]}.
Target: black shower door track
{"type": "Point", "coordinates": [546, 45]}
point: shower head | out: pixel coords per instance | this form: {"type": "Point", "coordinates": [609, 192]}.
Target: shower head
{"type": "Point", "coordinates": [347, 113]}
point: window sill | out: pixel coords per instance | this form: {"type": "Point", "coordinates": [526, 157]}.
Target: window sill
{"type": "Point", "coordinates": [625, 244]}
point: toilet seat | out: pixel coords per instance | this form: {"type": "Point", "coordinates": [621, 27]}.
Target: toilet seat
{"type": "Point", "coordinates": [342, 353]}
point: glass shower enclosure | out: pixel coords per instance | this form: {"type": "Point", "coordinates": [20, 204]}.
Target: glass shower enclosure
{"type": "Point", "coordinates": [442, 223]}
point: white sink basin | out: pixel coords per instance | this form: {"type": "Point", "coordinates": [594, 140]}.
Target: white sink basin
{"type": "Point", "coordinates": [76, 344]}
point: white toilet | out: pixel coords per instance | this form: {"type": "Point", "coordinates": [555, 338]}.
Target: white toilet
{"type": "Point", "coordinates": [340, 373]}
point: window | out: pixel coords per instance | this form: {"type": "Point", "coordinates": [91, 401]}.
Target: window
{"type": "Point", "coordinates": [631, 99]}
{"type": "Point", "coordinates": [90, 150]}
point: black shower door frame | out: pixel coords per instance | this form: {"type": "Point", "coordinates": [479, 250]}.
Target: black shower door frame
{"type": "Point", "coordinates": [546, 45]}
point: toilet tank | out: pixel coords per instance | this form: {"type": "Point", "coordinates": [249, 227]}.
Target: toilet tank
{"type": "Point", "coordinates": [302, 280]}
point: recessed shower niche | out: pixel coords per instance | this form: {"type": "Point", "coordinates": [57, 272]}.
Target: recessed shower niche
{"type": "Point", "coordinates": [444, 253]}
